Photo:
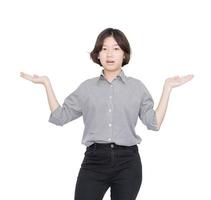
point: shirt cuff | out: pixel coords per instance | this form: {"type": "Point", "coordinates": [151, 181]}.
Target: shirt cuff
{"type": "Point", "coordinates": [153, 125]}
{"type": "Point", "coordinates": [55, 116]}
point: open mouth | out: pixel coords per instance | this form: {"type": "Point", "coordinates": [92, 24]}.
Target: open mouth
{"type": "Point", "coordinates": [110, 61]}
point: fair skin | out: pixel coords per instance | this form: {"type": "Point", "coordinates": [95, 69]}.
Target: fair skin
{"type": "Point", "coordinates": [112, 52]}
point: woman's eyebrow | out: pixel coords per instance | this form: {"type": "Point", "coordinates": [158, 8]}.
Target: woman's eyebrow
{"type": "Point", "coordinates": [112, 45]}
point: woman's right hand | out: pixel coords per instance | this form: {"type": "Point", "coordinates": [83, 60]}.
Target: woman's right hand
{"type": "Point", "coordinates": [35, 78]}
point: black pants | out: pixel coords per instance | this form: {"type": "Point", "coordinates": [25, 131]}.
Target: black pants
{"type": "Point", "coordinates": [109, 165]}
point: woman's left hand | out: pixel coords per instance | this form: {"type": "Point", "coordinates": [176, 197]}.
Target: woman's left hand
{"type": "Point", "coordinates": [177, 81]}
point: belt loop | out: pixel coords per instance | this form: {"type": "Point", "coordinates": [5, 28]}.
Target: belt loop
{"type": "Point", "coordinates": [95, 145]}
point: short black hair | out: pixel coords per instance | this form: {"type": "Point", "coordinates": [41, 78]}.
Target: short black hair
{"type": "Point", "coordinates": [121, 40]}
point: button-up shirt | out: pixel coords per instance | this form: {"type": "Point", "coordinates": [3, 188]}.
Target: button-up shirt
{"type": "Point", "coordinates": [110, 109]}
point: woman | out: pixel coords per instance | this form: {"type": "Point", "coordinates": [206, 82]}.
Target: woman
{"type": "Point", "coordinates": [110, 105]}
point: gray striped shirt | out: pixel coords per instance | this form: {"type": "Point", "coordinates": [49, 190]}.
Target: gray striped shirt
{"type": "Point", "coordinates": [110, 109]}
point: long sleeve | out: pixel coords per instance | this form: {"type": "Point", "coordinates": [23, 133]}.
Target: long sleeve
{"type": "Point", "coordinates": [70, 109]}
{"type": "Point", "coordinates": [146, 113]}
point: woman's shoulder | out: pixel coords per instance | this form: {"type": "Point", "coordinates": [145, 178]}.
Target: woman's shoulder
{"type": "Point", "coordinates": [136, 81]}
{"type": "Point", "coordinates": [88, 82]}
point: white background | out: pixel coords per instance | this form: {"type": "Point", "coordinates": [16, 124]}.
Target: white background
{"type": "Point", "coordinates": [39, 160]}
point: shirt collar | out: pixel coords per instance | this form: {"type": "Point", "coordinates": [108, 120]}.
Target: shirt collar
{"type": "Point", "coordinates": [121, 75]}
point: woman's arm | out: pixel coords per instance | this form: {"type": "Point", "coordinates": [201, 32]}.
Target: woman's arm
{"type": "Point", "coordinates": [71, 107]}
{"type": "Point", "coordinates": [169, 84]}
{"type": "Point", "coordinates": [43, 80]}
{"type": "Point", "coordinates": [52, 100]}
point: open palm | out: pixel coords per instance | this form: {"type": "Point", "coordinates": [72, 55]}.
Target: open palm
{"type": "Point", "coordinates": [35, 78]}
{"type": "Point", "coordinates": [177, 80]}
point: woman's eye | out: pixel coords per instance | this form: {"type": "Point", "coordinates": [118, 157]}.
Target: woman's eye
{"type": "Point", "coordinates": [104, 48]}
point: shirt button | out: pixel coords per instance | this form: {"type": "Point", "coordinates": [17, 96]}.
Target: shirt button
{"type": "Point", "coordinates": [110, 124]}
{"type": "Point", "coordinates": [109, 110]}
{"type": "Point", "coordinates": [112, 145]}
{"type": "Point", "coordinates": [109, 139]}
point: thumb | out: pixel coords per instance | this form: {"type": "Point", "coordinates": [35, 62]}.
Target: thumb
{"type": "Point", "coordinates": [35, 75]}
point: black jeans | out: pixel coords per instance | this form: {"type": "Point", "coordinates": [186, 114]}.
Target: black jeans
{"type": "Point", "coordinates": [109, 165]}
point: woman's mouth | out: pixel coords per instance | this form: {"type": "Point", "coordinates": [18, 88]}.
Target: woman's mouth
{"type": "Point", "coordinates": [110, 61]}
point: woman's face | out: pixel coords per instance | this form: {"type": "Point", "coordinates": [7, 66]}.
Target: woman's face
{"type": "Point", "coordinates": [111, 55]}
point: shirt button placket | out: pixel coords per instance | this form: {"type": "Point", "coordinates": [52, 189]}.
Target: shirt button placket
{"type": "Point", "coordinates": [110, 109]}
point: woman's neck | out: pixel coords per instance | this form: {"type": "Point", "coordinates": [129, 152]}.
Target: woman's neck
{"type": "Point", "coordinates": [110, 75]}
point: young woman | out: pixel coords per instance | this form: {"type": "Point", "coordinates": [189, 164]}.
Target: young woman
{"type": "Point", "coordinates": [110, 104]}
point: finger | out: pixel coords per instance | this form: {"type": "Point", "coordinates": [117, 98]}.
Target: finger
{"type": "Point", "coordinates": [188, 77]}
{"type": "Point", "coordinates": [22, 74]}
{"type": "Point", "coordinates": [175, 77]}
{"type": "Point", "coordinates": [26, 76]}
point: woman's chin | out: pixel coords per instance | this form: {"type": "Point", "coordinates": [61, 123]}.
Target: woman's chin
{"type": "Point", "coordinates": [111, 68]}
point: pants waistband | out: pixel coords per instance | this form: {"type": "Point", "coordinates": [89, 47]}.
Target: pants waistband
{"type": "Point", "coordinates": [110, 145]}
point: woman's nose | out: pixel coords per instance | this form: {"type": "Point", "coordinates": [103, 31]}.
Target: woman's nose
{"type": "Point", "coordinates": [109, 52]}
